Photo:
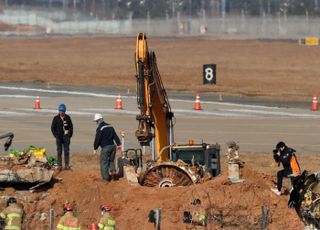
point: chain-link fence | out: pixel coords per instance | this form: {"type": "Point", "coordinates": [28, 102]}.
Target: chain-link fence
{"type": "Point", "coordinates": [227, 27]}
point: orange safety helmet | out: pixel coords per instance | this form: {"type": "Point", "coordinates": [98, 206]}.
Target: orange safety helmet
{"type": "Point", "coordinates": [105, 207]}
{"type": "Point", "coordinates": [68, 207]}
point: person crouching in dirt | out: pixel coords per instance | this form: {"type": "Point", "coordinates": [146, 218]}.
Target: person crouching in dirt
{"type": "Point", "coordinates": [68, 220]}
{"type": "Point", "coordinates": [106, 137]}
{"type": "Point", "coordinates": [107, 221]}
{"type": "Point", "coordinates": [285, 155]}
{"type": "Point", "coordinates": [196, 218]}
{"type": "Point", "coordinates": [12, 215]}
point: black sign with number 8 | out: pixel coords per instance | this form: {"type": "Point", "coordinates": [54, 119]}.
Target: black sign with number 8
{"type": "Point", "coordinates": [209, 74]}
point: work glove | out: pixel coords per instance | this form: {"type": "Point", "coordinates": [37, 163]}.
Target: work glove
{"type": "Point", "coordinates": [291, 204]}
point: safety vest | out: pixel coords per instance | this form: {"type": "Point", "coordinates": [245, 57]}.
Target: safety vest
{"type": "Point", "coordinates": [62, 227]}
{"type": "Point", "coordinates": [201, 218]}
{"type": "Point", "coordinates": [295, 165]}
{"type": "Point", "coordinates": [13, 217]}
{"type": "Point", "coordinates": [68, 222]}
{"type": "Point", "coordinates": [107, 222]}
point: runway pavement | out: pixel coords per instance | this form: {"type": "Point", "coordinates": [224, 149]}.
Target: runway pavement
{"type": "Point", "coordinates": [257, 128]}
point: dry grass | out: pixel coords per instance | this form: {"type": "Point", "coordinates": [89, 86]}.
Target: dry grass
{"type": "Point", "coordinates": [282, 70]}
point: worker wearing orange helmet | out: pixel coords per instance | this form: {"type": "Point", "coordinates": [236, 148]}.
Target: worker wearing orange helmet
{"type": "Point", "coordinates": [68, 221]}
{"type": "Point", "coordinates": [107, 222]}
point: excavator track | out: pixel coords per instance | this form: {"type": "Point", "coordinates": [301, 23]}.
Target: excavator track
{"type": "Point", "coordinates": [167, 175]}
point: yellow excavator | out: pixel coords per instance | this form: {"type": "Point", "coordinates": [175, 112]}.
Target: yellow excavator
{"type": "Point", "coordinates": [172, 164]}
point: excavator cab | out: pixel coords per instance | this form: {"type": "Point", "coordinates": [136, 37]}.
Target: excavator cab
{"type": "Point", "coordinates": [201, 155]}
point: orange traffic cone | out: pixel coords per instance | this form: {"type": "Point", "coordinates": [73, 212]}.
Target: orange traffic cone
{"type": "Point", "coordinates": [37, 103]}
{"type": "Point", "coordinates": [314, 106]}
{"type": "Point", "coordinates": [119, 102]}
{"type": "Point", "coordinates": [197, 105]}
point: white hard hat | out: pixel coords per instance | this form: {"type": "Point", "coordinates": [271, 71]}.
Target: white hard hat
{"type": "Point", "coordinates": [97, 116]}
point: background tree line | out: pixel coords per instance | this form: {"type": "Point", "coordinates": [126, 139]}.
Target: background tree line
{"type": "Point", "coordinates": [107, 9]}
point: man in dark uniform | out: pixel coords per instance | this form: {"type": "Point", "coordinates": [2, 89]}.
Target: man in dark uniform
{"type": "Point", "coordinates": [286, 156]}
{"type": "Point", "coordinates": [106, 138]}
{"type": "Point", "coordinates": [62, 130]}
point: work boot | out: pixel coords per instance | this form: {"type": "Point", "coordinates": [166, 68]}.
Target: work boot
{"type": "Point", "coordinates": [67, 168]}
{"type": "Point", "coordinates": [276, 191]}
{"type": "Point", "coordinates": [115, 176]}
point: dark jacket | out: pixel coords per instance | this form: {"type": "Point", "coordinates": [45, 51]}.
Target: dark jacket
{"type": "Point", "coordinates": [285, 157]}
{"type": "Point", "coordinates": [57, 126]}
{"type": "Point", "coordinates": [105, 135]}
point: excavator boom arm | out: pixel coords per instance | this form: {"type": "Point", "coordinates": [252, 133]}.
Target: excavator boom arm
{"type": "Point", "coordinates": [155, 118]}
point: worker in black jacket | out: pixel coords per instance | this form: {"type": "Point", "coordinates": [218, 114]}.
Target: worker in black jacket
{"type": "Point", "coordinates": [62, 130]}
{"type": "Point", "coordinates": [106, 138]}
{"type": "Point", "coordinates": [286, 156]}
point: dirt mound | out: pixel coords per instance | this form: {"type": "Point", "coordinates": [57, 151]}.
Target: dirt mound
{"type": "Point", "coordinates": [239, 204]}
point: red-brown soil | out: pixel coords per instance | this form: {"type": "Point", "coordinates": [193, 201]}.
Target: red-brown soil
{"type": "Point", "coordinates": [240, 203]}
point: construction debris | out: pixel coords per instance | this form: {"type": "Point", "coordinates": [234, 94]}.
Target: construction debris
{"type": "Point", "coordinates": [305, 198]}
{"type": "Point", "coordinates": [234, 162]}
{"type": "Point", "coordinates": [25, 168]}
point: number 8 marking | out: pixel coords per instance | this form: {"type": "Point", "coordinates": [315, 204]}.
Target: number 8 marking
{"type": "Point", "coordinates": [209, 74]}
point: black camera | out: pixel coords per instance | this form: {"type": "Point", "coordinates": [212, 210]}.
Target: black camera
{"type": "Point", "coordinates": [187, 217]}
{"type": "Point", "coordinates": [196, 202]}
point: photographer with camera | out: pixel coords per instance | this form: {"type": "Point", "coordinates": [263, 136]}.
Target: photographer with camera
{"type": "Point", "coordinates": [196, 218]}
{"type": "Point", "coordinates": [285, 155]}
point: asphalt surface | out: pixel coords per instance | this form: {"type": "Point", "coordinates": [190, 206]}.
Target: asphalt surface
{"type": "Point", "coordinates": [257, 125]}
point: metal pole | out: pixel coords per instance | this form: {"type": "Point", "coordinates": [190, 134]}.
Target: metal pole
{"type": "Point", "coordinates": [153, 146]}
{"type": "Point", "coordinates": [223, 8]}
{"type": "Point", "coordinates": [265, 217]}
{"type": "Point", "coordinates": [51, 219]}
{"type": "Point", "coordinates": [171, 139]}
{"type": "Point", "coordinates": [158, 218]}
{"type": "Point", "coordinates": [122, 140]}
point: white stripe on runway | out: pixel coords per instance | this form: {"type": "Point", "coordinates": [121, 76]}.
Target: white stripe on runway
{"type": "Point", "coordinates": [219, 113]}
{"type": "Point", "coordinates": [57, 91]}
{"type": "Point", "coordinates": [129, 97]}
{"type": "Point", "coordinates": [15, 96]}
{"type": "Point", "coordinates": [273, 113]}
{"type": "Point", "coordinates": [13, 113]}
{"type": "Point", "coordinates": [255, 111]}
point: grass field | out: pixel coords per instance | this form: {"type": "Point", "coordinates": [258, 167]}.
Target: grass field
{"type": "Point", "coordinates": [279, 70]}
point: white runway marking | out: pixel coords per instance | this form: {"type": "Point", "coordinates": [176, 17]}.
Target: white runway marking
{"type": "Point", "coordinates": [13, 113]}
{"type": "Point", "coordinates": [54, 111]}
{"type": "Point", "coordinates": [58, 91]}
{"type": "Point", "coordinates": [180, 112]}
{"type": "Point", "coordinates": [273, 113]}
{"type": "Point", "coordinates": [16, 96]}
{"type": "Point", "coordinates": [219, 113]}
{"type": "Point", "coordinates": [244, 111]}
{"type": "Point", "coordinates": [102, 95]}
